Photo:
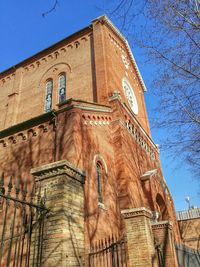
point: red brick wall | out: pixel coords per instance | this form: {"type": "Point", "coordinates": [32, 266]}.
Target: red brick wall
{"type": "Point", "coordinates": [22, 91]}
{"type": "Point", "coordinates": [190, 232]}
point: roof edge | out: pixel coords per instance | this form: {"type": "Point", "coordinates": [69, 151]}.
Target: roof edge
{"type": "Point", "coordinates": [121, 36]}
{"type": "Point", "coordinates": [13, 67]}
{"type": "Point", "coordinates": [103, 18]}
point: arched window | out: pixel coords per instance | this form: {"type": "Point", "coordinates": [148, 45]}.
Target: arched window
{"type": "Point", "coordinates": [48, 99]}
{"type": "Point", "coordinates": [99, 173]}
{"type": "Point", "coordinates": [62, 88]}
{"type": "Point", "coordinates": [162, 208]}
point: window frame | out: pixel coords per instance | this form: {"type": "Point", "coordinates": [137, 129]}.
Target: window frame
{"type": "Point", "coordinates": [62, 74]}
{"type": "Point", "coordinates": [50, 80]}
{"type": "Point", "coordinates": [99, 179]}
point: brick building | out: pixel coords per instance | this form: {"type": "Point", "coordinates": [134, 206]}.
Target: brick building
{"type": "Point", "coordinates": [73, 118]}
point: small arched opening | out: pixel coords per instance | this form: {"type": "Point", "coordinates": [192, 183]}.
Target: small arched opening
{"type": "Point", "coordinates": [162, 208]}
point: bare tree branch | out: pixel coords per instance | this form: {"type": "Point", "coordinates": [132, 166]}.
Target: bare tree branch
{"type": "Point", "coordinates": [168, 31]}
{"type": "Point", "coordinates": [56, 3]}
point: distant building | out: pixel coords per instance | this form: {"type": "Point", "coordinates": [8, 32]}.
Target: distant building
{"type": "Point", "coordinates": [73, 119]}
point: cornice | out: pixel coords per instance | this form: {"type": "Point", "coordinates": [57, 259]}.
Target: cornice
{"type": "Point", "coordinates": [131, 213]}
{"type": "Point", "coordinates": [58, 168]}
{"type": "Point", "coordinates": [162, 225]}
{"type": "Point", "coordinates": [85, 105]}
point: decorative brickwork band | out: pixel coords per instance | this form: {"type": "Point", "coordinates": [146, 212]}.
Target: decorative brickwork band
{"type": "Point", "coordinates": [63, 242]}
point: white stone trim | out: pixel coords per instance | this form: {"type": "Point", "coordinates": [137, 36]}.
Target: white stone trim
{"type": "Point", "coordinates": [147, 175]}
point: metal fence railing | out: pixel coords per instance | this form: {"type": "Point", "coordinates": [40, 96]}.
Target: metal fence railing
{"type": "Point", "coordinates": [187, 257]}
{"type": "Point", "coordinates": [188, 214]}
{"type": "Point", "coordinates": [109, 253]}
{"type": "Point", "coordinates": [21, 225]}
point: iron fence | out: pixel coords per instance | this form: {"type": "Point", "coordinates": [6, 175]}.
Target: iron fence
{"type": "Point", "coordinates": [21, 225]}
{"type": "Point", "coordinates": [187, 257]}
{"type": "Point", "coordinates": [109, 253]}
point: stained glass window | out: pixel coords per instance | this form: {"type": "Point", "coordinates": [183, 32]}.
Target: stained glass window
{"type": "Point", "coordinates": [48, 99]}
{"type": "Point", "coordinates": [62, 88]}
{"type": "Point", "coordinates": [99, 173]}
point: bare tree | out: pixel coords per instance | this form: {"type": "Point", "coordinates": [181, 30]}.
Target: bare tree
{"type": "Point", "coordinates": [169, 32]}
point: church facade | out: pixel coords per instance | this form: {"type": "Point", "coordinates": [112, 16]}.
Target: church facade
{"type": "Point", "coordinates": [77, 109]}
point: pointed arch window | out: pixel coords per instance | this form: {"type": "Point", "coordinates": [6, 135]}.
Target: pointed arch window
{"type": "Point", "coordinates": [48, 99]}
{"type": "Point", "coordinates": [62, 88]}
{"type": "Point", "coordinates": [99, 173]}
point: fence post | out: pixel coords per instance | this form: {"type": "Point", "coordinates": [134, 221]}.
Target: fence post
{"type": "Point", "coordinates": [63, 238]}
{"type": "Point", "coordinates": [163, 235]}
{"type": "Point", "coordinates": [140, 240]}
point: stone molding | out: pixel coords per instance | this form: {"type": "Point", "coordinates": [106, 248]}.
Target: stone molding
{"type": "Point", "coordinates": [58, 168]}
{"type": "Point", "coordinates": [147, 175]}
{"type": "Point", "coordinates": [85, 105]}
{"type": "Point", "coordinates": [162, 225]}
{"type": "Point", "coordinates": [131, 213]}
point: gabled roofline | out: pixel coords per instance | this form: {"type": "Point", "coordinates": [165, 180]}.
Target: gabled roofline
{"type": "Point", "coordinates": [121, 36]}
{"type": "Point", "coordinates": [13, 67]}
{"type": "Point", "coordinates": [101, 18]}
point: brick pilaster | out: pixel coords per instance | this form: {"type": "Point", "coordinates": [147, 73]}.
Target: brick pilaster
{"type": "Point", "coordinates": [164, 242]}
{"type": "Point", "coordinates": [63, 240]}
{"type": "Point", "coordinates": [139, 237]}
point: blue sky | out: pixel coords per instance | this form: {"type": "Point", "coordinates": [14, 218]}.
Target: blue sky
{"type": "Point", "coordinates": [25, 32]}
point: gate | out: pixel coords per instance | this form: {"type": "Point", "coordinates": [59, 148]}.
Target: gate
{"type": "Point", "coordinates": [109, 253]}
{"type": "Point", "coordinates": [21, 225]}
